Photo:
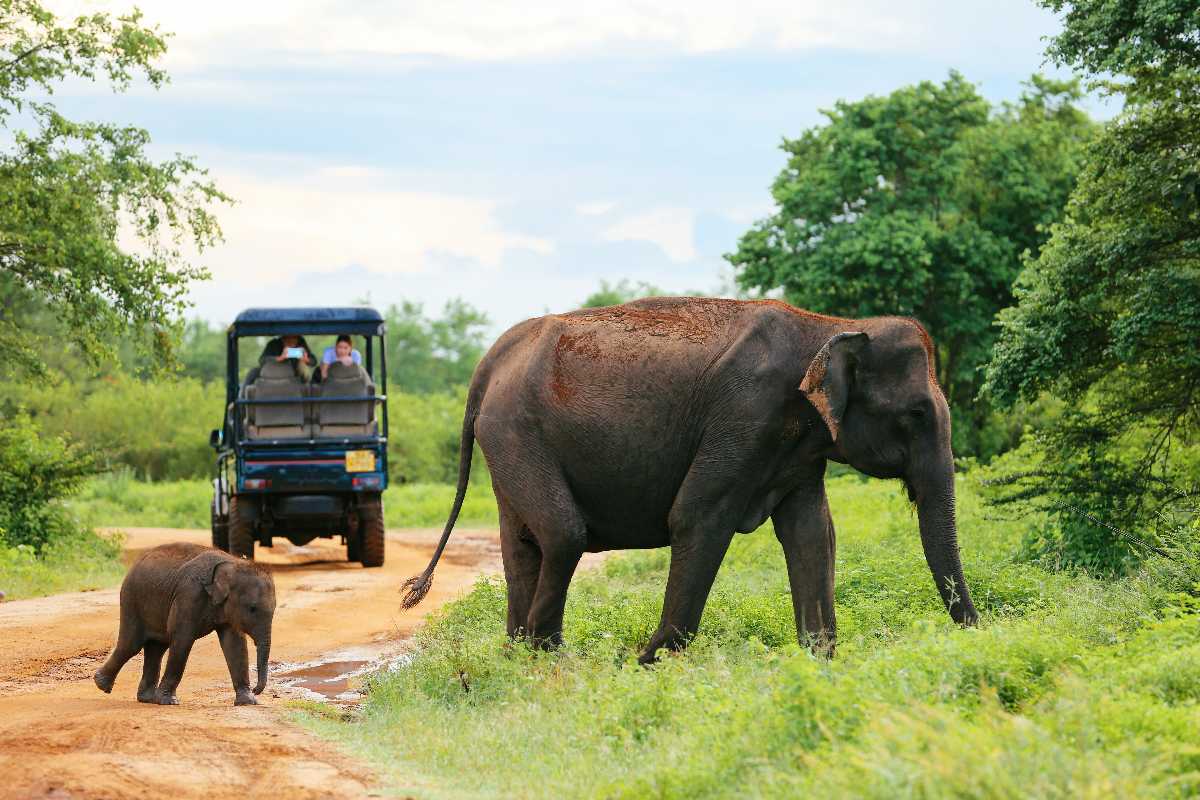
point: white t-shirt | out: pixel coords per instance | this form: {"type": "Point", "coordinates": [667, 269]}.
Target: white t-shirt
{"type": "Point", "coordinates": [330, 356]}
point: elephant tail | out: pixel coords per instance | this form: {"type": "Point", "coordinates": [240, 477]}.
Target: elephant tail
{"type": "Point", "coordinates": [416, 587]}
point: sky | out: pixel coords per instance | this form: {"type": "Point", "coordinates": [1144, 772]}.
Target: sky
{"type": "Point", "coordinates": [516, 154]}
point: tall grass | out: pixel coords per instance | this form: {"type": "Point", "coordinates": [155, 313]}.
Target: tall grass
{"type": "Point", "coordinates": [118, 499]}
{"type": "Point", "coordinates": [78, 562]}
{"type": "Point", "coordinates": [1071, 686]}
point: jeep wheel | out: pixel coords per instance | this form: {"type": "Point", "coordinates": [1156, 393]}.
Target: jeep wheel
{"type": "Point", "coordinates": [370, 534]}
{"type": "Point", "coordinates": [220, 532]}
{"type": "Point", "coordinates": [354, 544]}
{"type": "Point", "coordinates": [241, 533]}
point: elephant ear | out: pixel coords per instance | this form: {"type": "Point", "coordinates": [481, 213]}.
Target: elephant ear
{"type": "Point", "coordinates": [219, 582]}
{"type": "Point", "coordinates": [827, 382]}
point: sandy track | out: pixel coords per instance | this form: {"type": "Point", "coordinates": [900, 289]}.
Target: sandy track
{"type": "Point", "coordinates": [60, 737]}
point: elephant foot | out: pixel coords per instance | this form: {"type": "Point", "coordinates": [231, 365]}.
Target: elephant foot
{"type": "Point", "coordinates": [103, 682]}
{"type": "Point", "coordinates": [244, 698]}
{"type": "Point", "coordinates": [166, 699]}
{"type": "Point", "coordinates": [147, 696]}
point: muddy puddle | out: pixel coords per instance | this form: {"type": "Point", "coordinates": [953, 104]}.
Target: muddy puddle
{"type": "Point", "coordinates": [338, 677]}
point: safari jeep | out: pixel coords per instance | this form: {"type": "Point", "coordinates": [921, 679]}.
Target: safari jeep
{"type": "Point", "coordinates": [302, 452]}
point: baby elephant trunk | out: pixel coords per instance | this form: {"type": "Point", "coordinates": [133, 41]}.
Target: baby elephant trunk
{"type": "Point", "coordinates": [263, 643]}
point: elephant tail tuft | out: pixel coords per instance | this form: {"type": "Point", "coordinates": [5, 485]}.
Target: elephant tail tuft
{"type": "Point", "coordinates": [415, 588]}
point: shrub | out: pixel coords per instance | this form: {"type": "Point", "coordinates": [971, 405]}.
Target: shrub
{"type": "Point", "coordinates": [36, 472]}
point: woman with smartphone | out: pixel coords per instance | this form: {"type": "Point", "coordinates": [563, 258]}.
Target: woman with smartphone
{"type": "Point", "coordinates": [291, 348]}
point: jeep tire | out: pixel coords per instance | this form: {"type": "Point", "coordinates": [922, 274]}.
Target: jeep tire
{"type": "Point", "coordinates": [370, 532]}
{"type": "Point", "coordinates": [241, 532]}
{"type": "Point", "coordinates": [220, 530]}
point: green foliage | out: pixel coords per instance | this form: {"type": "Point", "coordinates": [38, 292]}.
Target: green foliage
{"type": "Point", "coordinates": [78, 560]}
{"type": "Point", "coordinates": [1120, 37]}
{"type": "Point", "coordinates": [434, 354]}
{"type": "Point", "coordinates": [69, 189]}
{"type": "Point", "coordinates": [36, 472]}
{"type": "Point", "coordinates": [1108, 313]}
{"type": "Point", "coordinates": [119, 500]}
{"type": "Point", "coordinates": [1071, 686]}
{"type": "Point", "coordinates": [111, 415]}
{"type": "Point", "coordinates": [424, 435]}
{"type": "Point", "coordinates": [921, 204]}
{"type": "Point", "coordinates": [622, 291]}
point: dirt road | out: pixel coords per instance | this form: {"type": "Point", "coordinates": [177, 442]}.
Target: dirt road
{"type": "Point", "coordinates": [60, 737]}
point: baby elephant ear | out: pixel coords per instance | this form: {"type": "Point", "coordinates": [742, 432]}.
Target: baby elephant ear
{"type": "Point", "coordinates": [219, 581]}
{"type": "Point", "coordinates": [827, 382]}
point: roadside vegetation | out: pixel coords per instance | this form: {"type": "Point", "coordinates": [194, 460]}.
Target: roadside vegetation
{"type": "Point", "coordinates": [119, 500]}
{"type": "Point", "coordinates": [1072, 686]}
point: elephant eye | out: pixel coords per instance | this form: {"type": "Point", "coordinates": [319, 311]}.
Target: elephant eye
{"type": "Point", "coordinates": [253, 608]}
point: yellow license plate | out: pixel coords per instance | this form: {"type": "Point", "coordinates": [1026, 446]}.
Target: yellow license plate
{"type": "Point", "coordinates": [360, 461]}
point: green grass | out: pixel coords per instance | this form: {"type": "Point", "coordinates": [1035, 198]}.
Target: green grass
{"type": "Point", "coordinates": [1070, 687]}
{"type": "Point", "coordinates": [119, 500]}
{"type": "Point", "coordinates": [77, 563]}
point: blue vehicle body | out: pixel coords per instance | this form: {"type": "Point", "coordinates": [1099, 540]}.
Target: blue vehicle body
{"type": "Point", "coordinates": [309, 483]}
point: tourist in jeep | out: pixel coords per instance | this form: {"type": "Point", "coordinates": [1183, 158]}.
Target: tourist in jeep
{"type": "Point", "coordinates": [342, 352]}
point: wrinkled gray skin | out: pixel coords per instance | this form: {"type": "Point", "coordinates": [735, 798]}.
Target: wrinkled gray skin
{"type": "Point", "coordinates": [177, 593]}
{"type": "Point", "coordinates": [680, 421]}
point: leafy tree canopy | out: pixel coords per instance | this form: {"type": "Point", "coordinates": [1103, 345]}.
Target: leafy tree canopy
{"type": "Point", "coordinates": [73, 194]}
{"type": "Point", "coordinates": [1108, 314]}
{"type": "Point", "coordinates": [920, 204]}
{"type": "Point", "coordinates": [1125, 36]}
{"type": "Point", "coordinates": [428, 354]}
{"type": "Point", "coordinates": [618, 292]}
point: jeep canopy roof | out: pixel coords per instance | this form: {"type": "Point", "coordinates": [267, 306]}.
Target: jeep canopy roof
{"type": "Point", "coordinates": [360, 320]}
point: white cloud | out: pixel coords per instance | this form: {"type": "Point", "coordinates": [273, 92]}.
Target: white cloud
{"type": "Point", "coordinates": [672, 229]}
{"type": "Point", "coordinates": [208, 33]}
{"type": "Point", "coordinates": [323, 220]}
{"type": "Point", "coordinates": [596, 209]}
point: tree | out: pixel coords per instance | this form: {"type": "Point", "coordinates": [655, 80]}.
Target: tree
{"type": "Point", "coordinates": [431, 355]}
{"type": "Point", "coordinates": [920, 204]}
{"type": "Point", "coordinates": [72, 192]}
{"type": "Point", "coordinates": [622, 291]}
{"type": "Point", "coordinates": [1108, 314]}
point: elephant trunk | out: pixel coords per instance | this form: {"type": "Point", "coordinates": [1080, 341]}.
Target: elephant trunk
{"type": "Point", "coordinates": [934, 493]}
{"type": "Point", "coordinates": [263, 644]}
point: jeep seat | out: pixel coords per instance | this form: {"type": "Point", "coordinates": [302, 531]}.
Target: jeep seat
{"type": "Point", "coordinates": [276, 381]}
{"type": "Point", "coordinates": [345, 419]}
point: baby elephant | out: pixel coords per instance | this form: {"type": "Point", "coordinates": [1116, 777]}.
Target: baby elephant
{"type": "Point", "coordinates": [177, 593]}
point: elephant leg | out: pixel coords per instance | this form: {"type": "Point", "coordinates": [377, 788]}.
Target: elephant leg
{"type": "Point", "coordinates": [130, 638]}
{"type": "Point", "coordinates": [560, 557]}
{"type": "Point", "coordinates": [695, 559]}
{"type": "Point", "coordinates": [522, 563]}
{"type": "Point", "coordinates": [152, 656]}
{"type": "Point", "coordinates": [805, 530]}
{"type": "Point", "coordinates": [181, 648]}
{"type": "Point", "coordinates": [233, 645]}
{"type": "Point", "coordinates": [549, 513]}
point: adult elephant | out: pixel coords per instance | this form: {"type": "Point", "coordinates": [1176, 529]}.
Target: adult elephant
{"type": "Point", "coordinates": [680, 421]}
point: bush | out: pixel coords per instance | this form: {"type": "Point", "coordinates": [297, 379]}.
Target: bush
{"type": "Point", "coordinates": [76, 560]}
{"type": "Point", "coordinates": [158, 429]}
{"type": "Point", "coordinates": [424, 435]}
{"type": "Point", "coordinates": [36, 472]}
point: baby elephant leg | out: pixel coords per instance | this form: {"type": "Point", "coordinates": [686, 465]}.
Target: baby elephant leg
{"type": "Point", "coordinates": [129, 641]}
{"type": "Point", "coordinates": [233, 645]}
{"type": "Point", "coordinates": [152, 655]}
{"type": "Point", "coordinates": [181, 648]}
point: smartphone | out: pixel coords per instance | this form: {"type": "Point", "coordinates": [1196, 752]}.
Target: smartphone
{"type": "Point", "coordinates": [294, 352]}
